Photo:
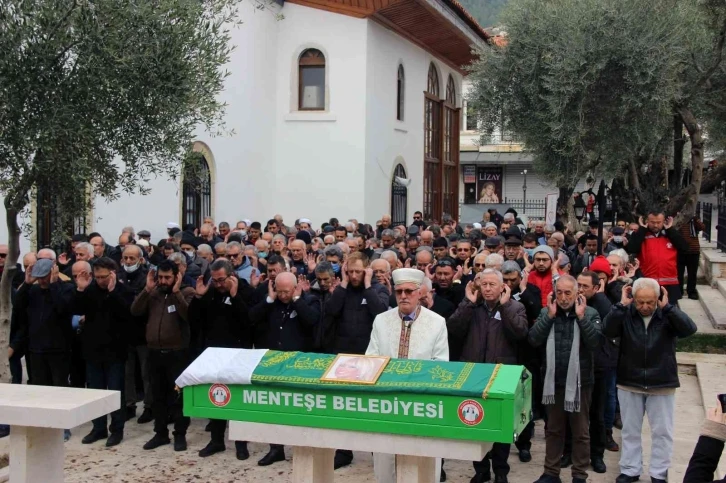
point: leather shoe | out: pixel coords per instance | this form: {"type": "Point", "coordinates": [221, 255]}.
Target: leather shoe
{"type": "Point", "coordinates": [500, 479]}
{"type": "Point", "coordinates": [565, 461]}
{"type": "Point", "coordinates": [180, 442]}
{"type": "Point", "coordinates": [657, 480]}
{"type": "Point", "coordinates": [156, 441]}
{"type": "Point", "coordinates": [610, 443]}
{"type": "Point", "coordinates": [273, 456]}
{"type": "Point", "coordinates": [545, 478]}
{"type": "Point", "coordinates": [598, 465]}
{"type": "Point", "coordinates": [481, 477]}
{"type": "Point", "coordinates": [341, 461]}
{"type": "Point", "coordinates": [442, 476]}
{"type": "Point", "coordinates": [114, 439]}
{"type": "Point", "coordinates": [623, 478]}
{"type": "Point", "coordinates": [93, 436]}
{"type": "Point", "coordinates": [241, 450]}
{"type": "Point", "coordinates": [525, 456]}
{"type": "Point", "coordinates": [211, 448]}
{"type": "Point", "coordinates": [146, 417]}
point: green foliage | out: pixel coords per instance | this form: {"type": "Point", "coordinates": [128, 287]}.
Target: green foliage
{"type": "Point", "coordinates": [588, 84]}
{"type": "Point", "coordinates": [486, 12]}
{"type": "Point", "coordinates": [105, 93]}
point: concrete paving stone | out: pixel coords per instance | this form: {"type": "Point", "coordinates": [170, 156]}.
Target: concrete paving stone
{"type": "Point", "coordinates": [128, 463]}
{"type": "Point", "coordinates": [697, 312]}
{"type": "Point", "coordinates": [713, 303]}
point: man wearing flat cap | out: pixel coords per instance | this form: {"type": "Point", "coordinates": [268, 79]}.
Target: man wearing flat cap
{"type": "Point", "coordinates": [408, 331]}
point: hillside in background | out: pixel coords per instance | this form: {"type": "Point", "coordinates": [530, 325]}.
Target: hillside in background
{"type": "Point", "coordinates": [486, 12]}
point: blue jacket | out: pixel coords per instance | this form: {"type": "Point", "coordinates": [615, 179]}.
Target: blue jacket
{"type": "Point", "coordinates": [246, 270]}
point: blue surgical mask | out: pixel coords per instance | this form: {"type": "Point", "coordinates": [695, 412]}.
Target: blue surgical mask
{"type": "Point", "coordinates": [530, 252]}
{"type": "Point", "coordinates": [618, 239]}
{"type": "Point", "coordinates": [336, 267]}
{"type": "Point", "coordinates": [262, 255]}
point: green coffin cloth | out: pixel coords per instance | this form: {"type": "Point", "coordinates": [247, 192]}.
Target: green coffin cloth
{"type": "Point", "coordinates": [304, 370]}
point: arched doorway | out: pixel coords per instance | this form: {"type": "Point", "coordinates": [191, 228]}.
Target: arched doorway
{"type": "Point", "coordinates": [399, 198]}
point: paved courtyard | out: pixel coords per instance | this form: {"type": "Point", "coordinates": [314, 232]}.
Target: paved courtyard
{"type": "Point", "coordinates": [129, 463]}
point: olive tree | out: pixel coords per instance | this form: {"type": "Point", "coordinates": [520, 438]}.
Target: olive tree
{"type": "Point", "coordinates": [101, 95]}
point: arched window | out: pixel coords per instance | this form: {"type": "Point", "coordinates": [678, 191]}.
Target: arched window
{"type": "Point", "coordinates": [451, 91]}
{"type": "Point", "coordinates": [311, 81]}
{"type": "Point", "coordinates": [399, 197]}
{"type": "Point", "coordinates": [197, 191]}
{"type": "Point", "coordinates": [432, 147]}
{"type": "Point", "coordinates": [433, 83]}
{"type": "Point", "coordinates": [53, 224]}
{"type": "Point", "coordinates": [400, 91]}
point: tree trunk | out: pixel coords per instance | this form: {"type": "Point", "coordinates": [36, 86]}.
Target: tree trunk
{"type": "Point", "coordinates": [679, 142]}
{"type": "Point", "coordinates": [11, 262]}
{"type": "Point", "coordinates": [688, 208]}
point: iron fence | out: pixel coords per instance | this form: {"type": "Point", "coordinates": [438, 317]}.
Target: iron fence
{"type": "Point", "coordinates": [707, 218]}
{"type": "Point", "coordinates": [531, 208]}
{"type": "Point", "coordinates": [721, 229]}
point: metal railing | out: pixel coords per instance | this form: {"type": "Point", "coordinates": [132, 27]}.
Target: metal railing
{"type": "Point", "coordinates": [532, 208]}
{"type": "Point", "coordinates": [721, 229]}
{"type": "Point", "coordinates": [500, 138]}
{"type": "Point", "coordinates": [707, 218]}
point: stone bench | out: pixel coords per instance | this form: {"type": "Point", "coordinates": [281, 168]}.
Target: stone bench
{"type": "Point", "coordinates": [314, 450]}
{"type": "Point", "coordinates": [37, 416]}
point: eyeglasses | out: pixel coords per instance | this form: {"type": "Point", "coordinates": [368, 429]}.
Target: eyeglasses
{"type": "Point", "coordinates": [404, 291]}
{"type": "Point", "coordinates": [234, 255]}
{"type": "Point", "coordinates": [462, 250]}
{"type": "Point", "coordinates": [480, 265]}
{"type": "Point", "coordinates": [416, 217]}
{"type": "Point", "coordinates": [3, 255]}
{"type": "Point", "coordinates": [219, 281]}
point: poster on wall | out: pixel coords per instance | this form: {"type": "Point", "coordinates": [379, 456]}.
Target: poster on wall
{"type": "Point", "coordinates": [469, 173]}
{"type": "Point", "coordinates": [489, 185]}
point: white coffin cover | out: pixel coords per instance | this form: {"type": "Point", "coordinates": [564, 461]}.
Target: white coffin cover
{"type": "Point", "coordinates": [222, 366]}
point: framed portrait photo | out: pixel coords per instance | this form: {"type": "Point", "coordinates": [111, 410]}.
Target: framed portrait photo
{"type": "Point", "coordinates": [355, 369]}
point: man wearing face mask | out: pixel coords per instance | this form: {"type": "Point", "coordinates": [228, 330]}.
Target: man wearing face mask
{"type": "Point", "coordinates": [334, 255]}
{"type": "Point", "coordinates": [133, 275]}
{"type": "Point", "coordinates": [616, 240]}
{"type": "Point", "coordinates": [105, 305]}
{"type": "Point", "coordinates": [490, 323]}
{"type": "Point", "coordinates": [196, 265]}
{"type": "Point", "coordinates": [263, 250]}
{"type": "Point", "coordinates": [165, 304]}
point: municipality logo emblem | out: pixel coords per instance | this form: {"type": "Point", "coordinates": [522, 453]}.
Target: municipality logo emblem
{"type": "Point", "coordinates": [470, 412]}
{"type": "Point", "coordinates": [219, 395]}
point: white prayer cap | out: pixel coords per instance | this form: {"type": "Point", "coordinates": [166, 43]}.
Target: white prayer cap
{"type": "Point", "coordinates": [171, 225]}
{"type": "Point", "coordinates": [477, 226]}
{"type": "Point", "coordinates": [143, 243]}
{"type": "Point", "coordinates": [408, 275]}
{"type": "Point", "coordinates": [305, 220]}
{"type": "Point", "coordinates": [247, 221]}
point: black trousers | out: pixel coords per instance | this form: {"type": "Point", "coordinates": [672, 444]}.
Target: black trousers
{"type": "Point", "coordinates": [49, 369]}
{"type": "Point", "coordinates": [498, 455]}
{"type": "Point", "coordinates": [688, 261]}
{"type": "Point", "coordinates": [164, 368]}
{"type": "Point", "coordinates": [218, 427]}
{"type": "Point", "coordinates": [108, 375]}
{"type": "Point", "coordinates": [597, 420]}
{"type": "Point", "coordinates": [525, 439]}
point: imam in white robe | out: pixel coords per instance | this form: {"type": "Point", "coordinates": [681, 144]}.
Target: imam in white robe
{"type": "Point", "coordinates": [428, 340]}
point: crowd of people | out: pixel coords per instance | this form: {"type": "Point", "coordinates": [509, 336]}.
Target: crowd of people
{"type": "Point", "coordinates": [593, 320]}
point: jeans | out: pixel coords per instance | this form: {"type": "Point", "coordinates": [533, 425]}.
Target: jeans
{"type": "Point", "coordinates": [659, 409]}
{"type": "Point", "coordinates": [611, 397]}
{"type": "Point", "coordinates": [143, 359]}
{"type": "Point", "coordinates": [165, 366]}
{"type": "Point", "coordinates": [108, 375]}
{"type": "Point", "coordinates": [16, 368]}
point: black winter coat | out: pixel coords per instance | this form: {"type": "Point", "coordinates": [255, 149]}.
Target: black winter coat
{"type": "Point", "coordinates": [135, 282]}
{"type": "Point", "coordinates": [219, 320]}
{"type": "Point", "coordinates": [45, 321]}
{"type": "Point", "coordinates": [704, 461]}
{"type": "Point", "coordinates": [323, 340]}
{"type": "Point", "coordinates": [353, 310]}
{"type": "Point", "coordinates": [563, 324]}
{"type": "Point", "coordinates": [108, 327]}
{"type": "Point", "coordinates": [606, 354]}
{"type": "Point", "coordinates": [648, 357]}
{"type": "Point", "coordinates": [289, 327]}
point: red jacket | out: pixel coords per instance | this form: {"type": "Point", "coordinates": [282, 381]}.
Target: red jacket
{"type": "Point", "coordinates": [658, 255]}
{"type": "Point", "coordinates": [543, 281]}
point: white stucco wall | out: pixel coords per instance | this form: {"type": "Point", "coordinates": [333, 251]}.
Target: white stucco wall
{"type": "Point", "coordinates": [388, 139]}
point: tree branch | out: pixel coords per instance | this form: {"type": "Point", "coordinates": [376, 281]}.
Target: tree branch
{"type": "Point", "coordinates": [719, 58]}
